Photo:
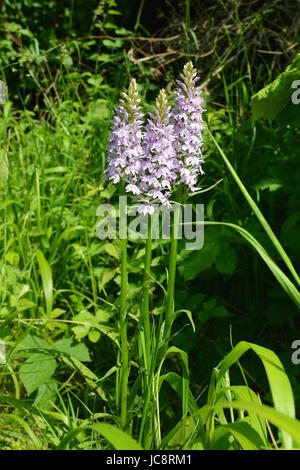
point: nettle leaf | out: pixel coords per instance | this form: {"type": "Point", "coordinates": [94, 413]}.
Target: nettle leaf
{"type": "Point", "coordinates": [275, 97]}
{"type": "Point", "coordinates": [91, 324]}
{"type": "Point", "coordinates": [86, 317]}
{"type": "Point", "coordinates": [216, 251]}
{"type": "Point", "coordinates": [77, 350]}
{"type": "Point", "coordinates": [46, 394]}
{"type": "Point", "coordinates": [103, 316]}
{"type": "Point", "coordinates": [94, 336]}
{"type": "Point", "coordinates": [36, 370]}
{"type": "Point", "coordinates": [39, 367]}
{"type": "Point", "coordinates": [113, 249]}
{"type": "Point", "coordinates": [29, 342]}
{"type": "Point", "coordinates": [105, 275]}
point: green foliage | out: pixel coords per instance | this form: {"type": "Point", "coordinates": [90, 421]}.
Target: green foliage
{"type": "Point", "coordinates": [275, 100]}
{"type": "Point", "coordinates": [40, 364]}
{"type": "Point", "coordinates": [217, 250]}
{"type": "Point", "coordinates": [60, 285]}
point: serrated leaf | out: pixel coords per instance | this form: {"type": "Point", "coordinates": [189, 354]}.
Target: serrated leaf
{"type": "Point", "coordinates": [94, 336]}
{"type": "Point", "coordinates": [31, 342]}
{"type": "Point", "coordinates": [45, 394]}
{"type": "Point", "coordinates": [36, 370]}
{"type": "Point", "coordinates": [77, 350]}
{"type": "Point", "coordinates": [103, 316]}
{"type": "Point", "coordinates": [80, 331]}
{"type": "Point", "coordinates": [56, 312]}
{"type": "Point", "coordinates": [113, 249]}
{"type": "Point", "coordinates": [105, 276]}
{"type": "Point", "coordinates": [272, 99]}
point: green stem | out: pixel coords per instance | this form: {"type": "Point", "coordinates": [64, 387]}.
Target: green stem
{"type": "Point", "coordinates": [146, 297]}
{"type": "Point", "coordinates": [123, 333]}
{"type": "Point", "coordinates": [171, 282]}
{"type": "Point", "coordinates": [146, 340]}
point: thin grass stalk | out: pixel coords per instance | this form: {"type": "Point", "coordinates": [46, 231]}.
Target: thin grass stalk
{"type": "Point", "coordinates": [187, 14]}
{"type": "Point", "coordinates": [171, 279]}
{"type": "Point", "coordinates": [155, 344]}
{"type": "Point", "coordinates": [146, 297]}
{"type": "Point", "coordinates": [123, 334]}
{"type": "Point", "coordinates": [145, 338]}
{"type": "Point", "coordinates": [147, 415]}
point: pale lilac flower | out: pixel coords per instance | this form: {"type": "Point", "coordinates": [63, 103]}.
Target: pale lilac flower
{"type": "Point", "coordinates": [152, 161]}
{"type": "Point", "coordinates": [188, 126]}
{"type": "Point", "coordinates": [159, 168]}
{"type": "Point", "coordinates": [125, 152]}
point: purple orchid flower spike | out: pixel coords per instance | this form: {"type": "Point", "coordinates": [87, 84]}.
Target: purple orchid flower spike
{"type": "Point", "coordinates": [125, 152]}
{"type": "Point", "coordinates": [188, 126]}
{"type": "Point", "coordinates": [153, 161]}
{"type": "Point", "coordinates": [159, 169]}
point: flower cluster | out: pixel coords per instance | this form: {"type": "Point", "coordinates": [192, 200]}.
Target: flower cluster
{"type": "Point", "coordinates": [125, 151]}
{"type": "Point", "coordinates": [159, 168]}
{"type": "Point", "coordinates": [187, 118]}
{"type": "Point", "coordinates": [153, 161]}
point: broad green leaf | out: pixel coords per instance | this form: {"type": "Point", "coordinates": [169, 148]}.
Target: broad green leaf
{"type": "Point", "coordinates": [36, 370]}
{"type": "Point", "coordinates": [271, 100]}
{"type": "Point", "coordinates": [31, 342]}
{"type": "Point", "coordinates": [46, 394]}
{"type": "Point", "coordinates": [77, 350]}
{"type": "Point", "coordinates": [200, 260]}
{"type": "Point", "coordinates": [220, 439]}
{"type": "Point", "coordinates": [113, 249]}
{"type": "Point", "coordinates": [94, 336]}
{"type": "Point", "coordinates": [56, 312]}
{"type": "Point", "coordinates": [114, 44]}
{"type": "Point", "coordinates": [104, 275]}
{"type": "Point", "coordinates": [119, 439]}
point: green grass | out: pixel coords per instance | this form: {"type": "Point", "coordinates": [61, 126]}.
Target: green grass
{"type": "Point", "coordinates": [60, 291]}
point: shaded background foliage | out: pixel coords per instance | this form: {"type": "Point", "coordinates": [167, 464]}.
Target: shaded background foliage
{"type": "Point", "coordinates": [66, 63]}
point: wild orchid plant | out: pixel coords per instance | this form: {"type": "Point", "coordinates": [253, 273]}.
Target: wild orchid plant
{"type": "Point", "coordinates": [157, 163]}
